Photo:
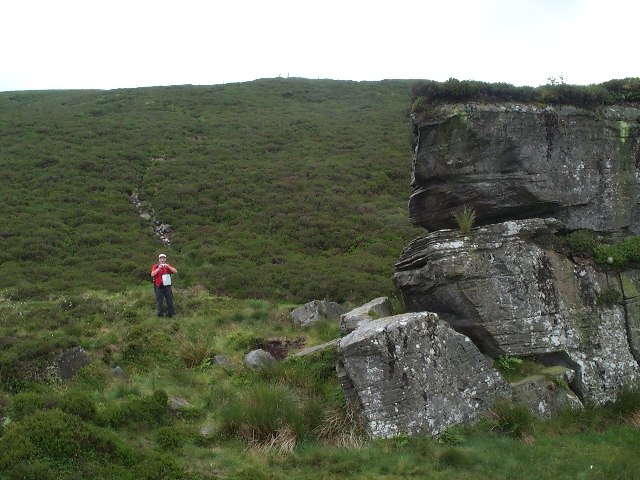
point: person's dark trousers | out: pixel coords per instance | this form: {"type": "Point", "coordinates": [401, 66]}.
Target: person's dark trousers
{"type": "Point", "coordinates": [161, 294]}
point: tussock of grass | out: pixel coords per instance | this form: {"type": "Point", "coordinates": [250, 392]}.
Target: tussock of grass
{"type": "Point", "coordinates": [465, 219]}
{"type": "Point", "coordinates": [193, 352]}
{"type": "Point", "coordinates": [633, 419]}
{"type": "Point", "coordinates": [512, 419]}
{"type": "Point", "coordinates": [342, 427]}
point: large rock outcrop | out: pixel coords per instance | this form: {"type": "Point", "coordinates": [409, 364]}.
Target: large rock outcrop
{"type": "Point", "coordinates": [527, 171]}
{"type": "Point", "coordinates": [412, 373]}
{"type": "Point", "coordinates": [512, 161]}
{"type": "Point", "coordinates": [512, 296]}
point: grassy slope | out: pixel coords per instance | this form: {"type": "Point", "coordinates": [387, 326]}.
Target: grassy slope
{"type": "Point", "coordinates": [117, 431]}
{"type": "Point", "coordinates": [283, 188]}
{"type": "Point", "coordinates": [311, 173]}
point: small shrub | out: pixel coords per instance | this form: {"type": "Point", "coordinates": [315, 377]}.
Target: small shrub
{"type": "Point", "coordinates": [56, 434]}
{"type": "Point", "coordinates": [158, 466]}
{"type": "Point", "coordinates": [619, 255]}
{"type": "Point", "coordinates": [580, 241]}
{"type": "Point", "coordinates": [453, 436]}
{"type": "Point", "coordinates": [34, 469]}
{"type": "Point", "coordinates": [507, 363]}
{"type": "Point", "coordinates": [171, 438]}
{"type": "Point", "coordinates": [261, 412]}
{"type": "Point", "coordinates": [151, 410]}
{"type": "Point", "coordinates": [16, 447]}
{"type": "Point", "coordinates": [465, 219]}
{"type": "Point", "coordinates": [24, 404]}
{"type": "Point", "coordinates": [454, 457]}
{"type": "Point", "coordinates": [193, 352]}
{"type": "Point", "coordinates": [80, 404]}
{"type": "Point", "coordinates": [4, 404]}
{"type": "Point", "coordinates": [610, 255]}
{"type": "Point", "coordinates": [512, 419]}
{"type": "Point", "coordinates": [94, 376]}
{"type": "Point", "coordinates": [628, 402]}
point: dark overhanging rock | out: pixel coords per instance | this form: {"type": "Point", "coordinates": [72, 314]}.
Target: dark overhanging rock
{"type": "Point", "coordinates": [513, 161]}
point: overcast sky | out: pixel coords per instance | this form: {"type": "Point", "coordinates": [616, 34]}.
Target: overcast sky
{"type": "Point", "coordinates": [70, 44]}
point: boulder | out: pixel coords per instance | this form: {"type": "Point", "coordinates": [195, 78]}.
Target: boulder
{"type": "Point", "coordinates": [376, 308]}
{"type": "Point", "coordinates": [223, 361]}
{"type": "Point", "coordinates": [67, 364]}
{"type": "Point", "coordinates": [317, 348]}
{"type": "Point", "coordinates": [177, 404]}
{"type": "Point", "coordinates": [512, 296]}
{"type": "Point", "coordinates": [207, 431]}
{"type": "Point", "coordinates": [316, 311]}
{"type": "Point", "coordinates": [548, 394]}
{"type": "Point", "coordinates": [258, 359]}
{"type": "Point", "coordinates": [413, 374]}
{"type": "Point", "coordinates": [513, 161]}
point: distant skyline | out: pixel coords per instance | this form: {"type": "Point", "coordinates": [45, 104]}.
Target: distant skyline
{"type": "Point", "coordinates": [71, 44]}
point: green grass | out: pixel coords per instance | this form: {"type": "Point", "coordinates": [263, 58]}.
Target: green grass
{"type": "Point", "coordinates": [288, 421]}
{"type": "Point", "coordinates": [607, 252]}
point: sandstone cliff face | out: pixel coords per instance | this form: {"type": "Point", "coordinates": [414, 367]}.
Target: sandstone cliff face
{"type": "Point", "coordinates": [514, 297]}
{"type": "Point", "coordinates": [513, 161]}
{"type": "Point", "coordinates": [528, 172]}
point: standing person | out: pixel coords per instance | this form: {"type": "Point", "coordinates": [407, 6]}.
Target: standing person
{"type": "Point", "coordinates": [161, 273]}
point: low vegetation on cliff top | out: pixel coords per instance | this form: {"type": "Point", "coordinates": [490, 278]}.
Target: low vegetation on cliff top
{"type": "Point", "coordinates": [427, 93]}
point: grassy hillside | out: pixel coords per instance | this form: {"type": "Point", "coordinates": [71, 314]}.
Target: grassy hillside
{"type": "Point", "coordinates": [279, 191]}
{"type": "Point", "coordinates": [286, 422]}
{"type": "Point", "coordinates": [283, 188]}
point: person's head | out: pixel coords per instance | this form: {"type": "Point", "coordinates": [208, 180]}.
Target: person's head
{"type": "Point", "coordinates": [162, 258]}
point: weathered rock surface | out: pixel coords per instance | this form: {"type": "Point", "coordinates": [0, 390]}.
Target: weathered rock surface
{"type": "Point", "coordinates": [376, 308]}
{"type": "Point", "coordinates": [546, 395]}
{"type": "Point", "coordinates": [318, 348]}
{"type": "Point", "coordinates": [316, 311]}
{"type": "Point", "coordinates": [177, 404]}
{"type": "Point", "coordinates": [630, 282]}
{"type": "Point", "coordinates": [512, 161]}
{"type": "Point", "coordinates": [67, 364]}
{"type": "Point", "coordinates": [257, 359]}
{"type": "Point", "coordinates": [511, 296]}
{"type": "Point", "coordinates": [412, 373]}
{"type": "Point", "coordinates": [223, 361]}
